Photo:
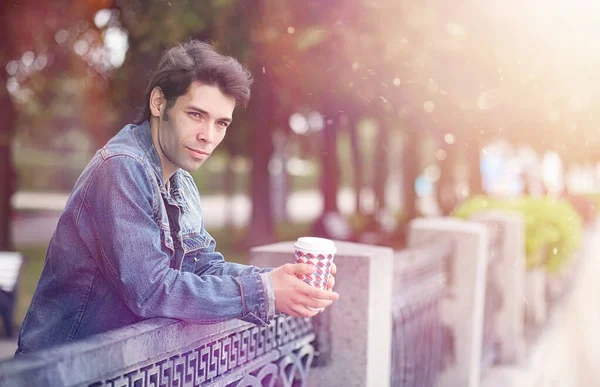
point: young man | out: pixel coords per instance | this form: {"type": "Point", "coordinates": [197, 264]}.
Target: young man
{"type": "Point", "coordinates": [131, 243]}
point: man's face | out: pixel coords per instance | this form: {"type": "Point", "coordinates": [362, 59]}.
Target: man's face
{"type": "Point", "coordinates": [191, 129]}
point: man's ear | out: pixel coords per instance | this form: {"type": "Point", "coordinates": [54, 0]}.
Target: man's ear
{"type": "Point", "coordinates": [157, 102]}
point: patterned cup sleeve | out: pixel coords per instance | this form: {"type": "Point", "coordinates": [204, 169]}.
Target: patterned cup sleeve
{"type": "Point", "coordinates": [323, 263]}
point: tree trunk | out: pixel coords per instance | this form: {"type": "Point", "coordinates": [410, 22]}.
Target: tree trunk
{"type": "Point", "coordinates": [280, 179]}
{"type": "Point", "coordinates": [261, 108]}
{"type": "Point", "coordinates": [330, 169]}
{"type": "Point", "coordinates": [129, 82]}
{"type": "Point", "coordinates": [229, 190]}
{"type": "Point", "coordinates": [445, 194]}
{"type": "Point", "coordinates": [357, 162]}
{"type": "Point", "coordinates": [261, 119]}
{"type": "Point", "coordinates": [410, 166]}
{"type": "Point", "coordinates": [8, 114]}
{"type": "Point", "coordinates": [331, 224]}
{"type": "Point", "coordinates": [7, 172]}
{"type": "Point", "coordinates": [474, 163]}
{"type": "Point", "coordinates": [381, 163]}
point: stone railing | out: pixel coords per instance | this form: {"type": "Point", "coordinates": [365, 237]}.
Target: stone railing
{"type": "Point", "coordinates": [164, 352]}
{"type": "Point", "coordinates": [417, 317]}
{"type": "Point", "coordinates": [421, 344]}
{"type": "Point", "coordinates": [490, 352]}
{"type": "Point", "coordinates": [563, 347]}
{"type": "Point", "coordinates": [462, 309]}
{"type": "Point", "coordinates": [503, 340]}
{"type": "Point", "coordinates": [448, 310]}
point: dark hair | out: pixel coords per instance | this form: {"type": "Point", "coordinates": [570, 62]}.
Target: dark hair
{"type": "Point", "coordinates": [192, 61]}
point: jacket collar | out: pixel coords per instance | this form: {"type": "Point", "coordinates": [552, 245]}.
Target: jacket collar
{"type": "Point", "coordinates": [143, 135]}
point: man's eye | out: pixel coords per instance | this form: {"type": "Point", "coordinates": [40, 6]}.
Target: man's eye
{"type": "Point", "coordinates": [223, 124]}
{"type": "Point", "coordinates": [195, 114]}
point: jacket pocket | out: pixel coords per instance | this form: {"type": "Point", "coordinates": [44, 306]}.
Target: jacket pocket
{"type": "Point", "coordinates": [193, 242]}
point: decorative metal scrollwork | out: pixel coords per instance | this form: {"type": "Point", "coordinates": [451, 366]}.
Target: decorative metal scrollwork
{"type": "Point", "coordinates": [279, 354]}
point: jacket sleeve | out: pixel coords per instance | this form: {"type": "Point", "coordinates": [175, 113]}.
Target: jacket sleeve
{"type": "Point", "coordinates": [218, 266]}
{"type": "Point", "coordinates": [123, 237]}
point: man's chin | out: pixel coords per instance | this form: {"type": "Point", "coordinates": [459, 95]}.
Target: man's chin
{"type": "Point", "coordinates": [192, 167]}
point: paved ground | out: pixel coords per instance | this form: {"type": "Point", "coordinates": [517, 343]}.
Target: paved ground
{"type": "Point", "coordinates": [584, 318]}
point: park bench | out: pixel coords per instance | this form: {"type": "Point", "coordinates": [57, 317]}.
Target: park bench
{"type": "Point", "coordinates": [10, 270]}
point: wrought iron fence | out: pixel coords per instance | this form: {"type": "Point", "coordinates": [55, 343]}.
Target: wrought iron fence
{"type": "Point", "coordinates": [421, 345]}
{"type": "Point", "coordinates": [169, 353]}
{"type": "Point", "coordinates": [490, 353]}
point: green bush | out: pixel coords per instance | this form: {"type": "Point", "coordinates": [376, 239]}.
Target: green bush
{"type": "Point", "coordinates": [553, 229]}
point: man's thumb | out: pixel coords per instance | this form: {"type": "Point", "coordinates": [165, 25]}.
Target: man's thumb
{"type": "Point", "coordinates": [304, 268]}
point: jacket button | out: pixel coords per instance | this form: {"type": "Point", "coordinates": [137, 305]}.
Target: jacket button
{"type": "Point", "coordinates": [195, 259]}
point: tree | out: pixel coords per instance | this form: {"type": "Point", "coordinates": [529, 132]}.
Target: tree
{"type": "Point", "coordinates": [33, 61]}
{"type": "Point", "coordinates": [357, 160]}
{"type": "Point", "coordinates": [381, 163]}
{"type": "Point", "coordinates": [7, 110]}
{"type": "Point", "coordinates": [262, 106]}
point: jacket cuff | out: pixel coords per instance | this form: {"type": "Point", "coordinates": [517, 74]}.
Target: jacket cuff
{"type": "Point", "coordinates": [268, 284]}
{"type": "Point", "coordinates": [254, 299]}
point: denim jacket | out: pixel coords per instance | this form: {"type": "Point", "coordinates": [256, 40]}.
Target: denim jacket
{"type": "Point", "coordinates": [125, 249]}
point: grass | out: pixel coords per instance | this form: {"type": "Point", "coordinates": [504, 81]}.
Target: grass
{"type": "Point", "coordinates": [32, 269]}
{"type": "Point", "coordinates": [227, 242]}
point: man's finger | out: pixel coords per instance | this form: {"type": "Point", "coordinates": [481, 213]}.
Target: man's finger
{"type": "Point", "coordinates": [314, 303]}
{"type": "Point", "coordinates": [333, 268]}
{"type": "Point", "coordinates": [303, 311]}
{"type": "Point", "coordinates": [298, 310]}
{"type": "Point", "coordinates": [319, 293]}
{"type": "Point", "coordinates": [331, 282]}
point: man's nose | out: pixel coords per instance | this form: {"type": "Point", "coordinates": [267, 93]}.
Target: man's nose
{"type": "Point", "coordinates": [206, 132]}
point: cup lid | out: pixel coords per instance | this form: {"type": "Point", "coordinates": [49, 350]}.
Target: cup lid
{"type": "Point", "coordinates": [316, 244]}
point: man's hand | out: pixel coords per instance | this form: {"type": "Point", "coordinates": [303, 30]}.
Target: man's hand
{"type": "Point", "coordinates": [331, 281]}
{"type": "Point", "coordinates": [293, 296]}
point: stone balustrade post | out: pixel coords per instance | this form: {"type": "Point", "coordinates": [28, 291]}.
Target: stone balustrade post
{"type": "Point", "coordinates": [509, 276]}
{"type": "Point", "coordinates": [463, 308]}
{"type": "Point", "coordinates": [359, 323]}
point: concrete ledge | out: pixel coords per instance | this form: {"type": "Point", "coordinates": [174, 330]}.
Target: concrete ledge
{"type": "Point", "coordinates": [171, 352]}
{"type": "Point", "coordinates": [87, 360]}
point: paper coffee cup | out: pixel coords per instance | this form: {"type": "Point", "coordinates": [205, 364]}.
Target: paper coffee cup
{"type": "Point", "coordinates": [318, 252]}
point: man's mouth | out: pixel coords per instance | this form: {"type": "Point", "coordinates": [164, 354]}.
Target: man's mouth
{"type": "Point", "coordinates": [199, 154]}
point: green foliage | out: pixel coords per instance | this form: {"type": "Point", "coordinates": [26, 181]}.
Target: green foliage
{"type": "Point", "coordinates": [553, 229]}
{"type": "Point", "coordinates": [32, 269]}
